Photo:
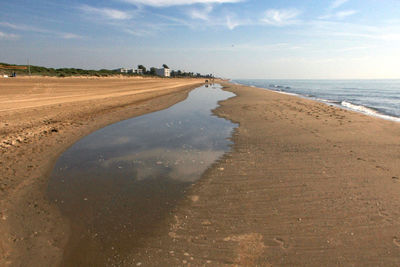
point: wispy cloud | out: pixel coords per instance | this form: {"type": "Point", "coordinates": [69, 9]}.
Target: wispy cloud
{"type": "Point", "coordinates": [27, 28]}
{"type": "Point", "coordinates": [143, 30]}
{"type": "Point", "coordinates": [22, 27]}
{"type": "Point", "coordinates": [231, 22]}
{"type": "Point", "coordinates": [338, 3]}
{"type": "Point", "coordinates": [281, 17]}
{"type": "Point", "coordinates": [339, 15]}
{"type": "Point", "coordinates": [387, 33]}
{"type": "Point", "coordinates": [345, 13]}
{"type": "Point", "coordinates": [163, 3]}
{"type": "Point", "coordinates": [353, 48]}
{"type": "Point", "coordinates": [70, 36]}
{"type": "Point", "coordinates": [377, 36]}
{"type": "Point", "coordinates": [263, 47]}
{"type": "Point", "coordinates": [8, 36]}
{"type": "Point", "coordinates": [107, 13]}
{"type": "Point", "coordinates": [202, 13]}
{"type": "Point", "coordinates": [228, 20]}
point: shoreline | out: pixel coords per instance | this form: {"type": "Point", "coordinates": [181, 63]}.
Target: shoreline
{"type": "Point", "coordinates": [344, 104]}
{"type": "Point", "coordinates": [33, 230]}
{"type": "Point", "coordinates": [304, 184]}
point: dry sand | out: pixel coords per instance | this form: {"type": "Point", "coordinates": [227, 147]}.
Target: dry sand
{"type": "Point", "coordinates": [305, 184]}
{"type": "Point", "coordinates": [39, 119]}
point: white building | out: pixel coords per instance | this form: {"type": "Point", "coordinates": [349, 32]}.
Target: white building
{"type": "Point", "coordinates": [122, 70]}
{"type": "Point", "coordinates": [163, 72]}
{"type": "Point", "coordinates": [139, 71]}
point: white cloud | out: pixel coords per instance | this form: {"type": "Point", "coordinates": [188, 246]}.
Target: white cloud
{"type": "Point", "coordinates": [281, 17]}
{"type": "Point", "coordinates": [202, 14]}
{"type": "Point", "coordinates": [8, 36]}
{"type": "Point", "coordinates": [162, 3]}
{"type": "Point", "coordinates": [106, 12]}
{"type": "Point", "coordinates": [231, 23]}
{"type": "Point", "coordinates": [338, 3]}
{"type": "Point", "coordinates": [345, 13]}
{"type": "Point", "coordinates": [340, 15]}
{"type": "Point", "coordinates": [70, 36]}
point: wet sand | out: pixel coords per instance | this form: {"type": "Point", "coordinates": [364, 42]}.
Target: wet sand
{"type": "Point", "coordinates": [39, 119]}
{"type": "Point", "coordinates": [305, 184]}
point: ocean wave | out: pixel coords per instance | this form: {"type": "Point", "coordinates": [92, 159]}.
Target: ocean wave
{"type": "Point", "coordinates": [368, 111]}
{"type": "Point", "coordinates": [360, 108]}
{"type": "Point", "coordinates": [329, 101]}
{"type": "Point", "coordinates": [287, 93]}
{"type": "Point", "coordinates": [373, 98]}
{"type": "Point", "coordinates": [276, 86]}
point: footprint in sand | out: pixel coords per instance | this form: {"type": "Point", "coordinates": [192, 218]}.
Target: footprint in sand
{"type": "Point", "coordinates": [396, 241]}
{"type": "Point", "coordinates": [281, 243]}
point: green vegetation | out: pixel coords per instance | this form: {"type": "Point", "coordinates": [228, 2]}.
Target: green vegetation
{"type": "Point", "coordinates": [62, 72]}
{"type": "Point", "coordinates": [67, 72]}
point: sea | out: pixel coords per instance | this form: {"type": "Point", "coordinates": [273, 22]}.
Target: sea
{"type": "Point", "coordinates": [379, 98]}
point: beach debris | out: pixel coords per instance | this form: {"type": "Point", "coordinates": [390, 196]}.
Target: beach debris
{"type": "Point", "coordinates": [195, 198]}
{"type": "Point", "coordinates": [206, 222]}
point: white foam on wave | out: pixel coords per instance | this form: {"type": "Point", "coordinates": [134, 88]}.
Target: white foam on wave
{"type": "Point", "coordinates": [286, 93]}
{"type": "Point", "coordinates": [328, 101]}
{"type": "Point", "coordinates": [368, 111]}
{"type": "Point", "coordinates": [360, 108]}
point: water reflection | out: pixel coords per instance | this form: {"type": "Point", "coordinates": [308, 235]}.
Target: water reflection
{"type": "Point", "coordinates": [116, 184]}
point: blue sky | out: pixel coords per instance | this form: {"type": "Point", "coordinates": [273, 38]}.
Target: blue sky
{"type": "Point", "coordinates": [230, 38]}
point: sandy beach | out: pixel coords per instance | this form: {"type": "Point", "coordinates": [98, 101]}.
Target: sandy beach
{"type": "Point", "coordinates": [40, 118]}
{"type": "Point", "coordinates": [305, 184]}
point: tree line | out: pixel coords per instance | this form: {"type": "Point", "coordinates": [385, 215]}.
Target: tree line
{"type": "Point", "coordinates": [66, 72]}
{"type": "Point", "coordinates": [174, 73]}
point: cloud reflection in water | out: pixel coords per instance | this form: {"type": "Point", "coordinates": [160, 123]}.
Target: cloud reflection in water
{"type": "Point", "coordinates": [122, 180]}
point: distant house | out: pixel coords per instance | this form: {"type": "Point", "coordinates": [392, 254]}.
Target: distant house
{"type": "Point", "coordinates": [121, 70]}
{"type": "Point", "coordinates": [163, 72]}
{"type": "Point", "coordinates": [139, 71]}
{"type": "Point", "coordinates": [131, 71]}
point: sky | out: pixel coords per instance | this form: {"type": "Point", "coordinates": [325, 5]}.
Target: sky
{"type": "Point", "coordinates": [270, 39]}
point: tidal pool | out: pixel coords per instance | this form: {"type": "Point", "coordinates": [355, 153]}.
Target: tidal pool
{"type": "Point", "coordinates": [118, 183]}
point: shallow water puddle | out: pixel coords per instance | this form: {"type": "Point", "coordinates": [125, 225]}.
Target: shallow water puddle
{"type": "Point", "coordinates": [118, 183]}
